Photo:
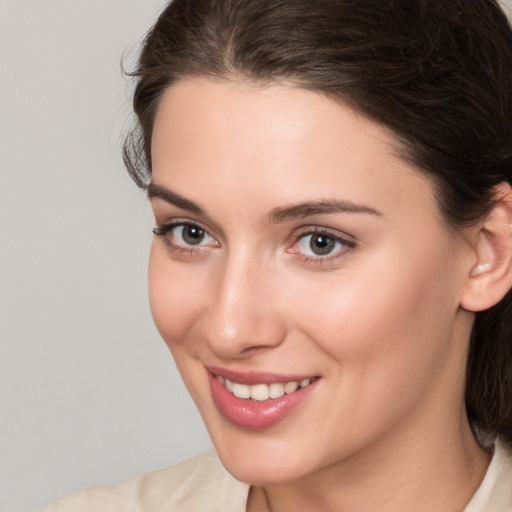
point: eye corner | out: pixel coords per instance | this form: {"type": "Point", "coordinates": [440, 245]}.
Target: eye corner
{"type": "Point", "coordinates": [159, 231]}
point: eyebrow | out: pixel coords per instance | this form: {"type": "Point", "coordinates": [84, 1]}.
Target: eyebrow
{"type": "Point", "coordinates": [310, 208]}
{"type": "Point", "coordinates": [279, 214]}
{"type": "Point", "coordinates": [157, 191]}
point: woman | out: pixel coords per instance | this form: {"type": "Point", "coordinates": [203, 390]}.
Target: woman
{"type": "Point", "coordinates": [332, 260]}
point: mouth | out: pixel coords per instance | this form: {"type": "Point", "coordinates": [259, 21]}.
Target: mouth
{"type": "Point", "coordinates": [263, 392]}
{"type": "Point", "coordinates": [256, 400]}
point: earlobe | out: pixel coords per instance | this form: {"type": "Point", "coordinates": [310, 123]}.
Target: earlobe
{"type": "Point", "coordinates": [490, 277]}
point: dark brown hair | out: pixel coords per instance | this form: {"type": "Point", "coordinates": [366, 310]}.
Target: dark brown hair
{"type": "Point", "coordinates": [438, 73]}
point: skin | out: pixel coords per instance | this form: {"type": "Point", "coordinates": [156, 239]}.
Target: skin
{"type": "Point", "coordinates": [379, 320]}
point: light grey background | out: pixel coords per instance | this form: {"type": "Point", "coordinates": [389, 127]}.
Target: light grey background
{"type": "Point", "coordinates": [88, 391]}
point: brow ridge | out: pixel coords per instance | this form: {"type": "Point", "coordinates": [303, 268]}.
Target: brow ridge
{"type": "Point", "coordinates": [321, 207]}
{"type": "Point", "coordinates": [278, 214]}
{"type": "Point", "coordinates": [157, 191]}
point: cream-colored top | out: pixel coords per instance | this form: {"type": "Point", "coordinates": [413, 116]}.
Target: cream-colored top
{"type": "Point", "coordinates": [202, 484]}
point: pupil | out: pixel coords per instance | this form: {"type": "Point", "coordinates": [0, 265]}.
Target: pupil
{"type": "Point", "coordinates": [322, 244]}
{"type": "Point", "coordinates": [193, 235]}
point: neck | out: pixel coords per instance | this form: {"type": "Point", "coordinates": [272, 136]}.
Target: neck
{"type": "Point", "coordinates": [433, 471]}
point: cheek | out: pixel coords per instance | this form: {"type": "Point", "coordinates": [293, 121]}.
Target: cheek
{"type": "Point", "coordinates": [389, 319]}
{"type": "Point", "coordinates": [175, 297]}
{"type": "Point", "coordinates": [177, 300]}
{"type": "Point", "coordinates": [386, 334]}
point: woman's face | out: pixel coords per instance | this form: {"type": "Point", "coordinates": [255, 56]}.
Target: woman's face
{"type": "Point", "coordinates": [296, 246]}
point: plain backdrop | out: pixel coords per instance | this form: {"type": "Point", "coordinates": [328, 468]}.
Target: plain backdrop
{"type": "Point", "coordinates": [88, 392]}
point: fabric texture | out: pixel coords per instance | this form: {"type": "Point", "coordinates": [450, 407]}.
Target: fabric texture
{"type": "Point", "coordinates": [495, 492]}
{"type": "Point", "coordinates": [202, 484]}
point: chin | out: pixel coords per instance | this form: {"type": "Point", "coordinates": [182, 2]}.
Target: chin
{"type": "Point", "coordinates": [260, 471]}
{"type": "Point", "coordinates": [260, 461]}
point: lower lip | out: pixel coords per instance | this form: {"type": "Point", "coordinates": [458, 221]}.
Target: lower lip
{"type": "Point", "coordinates": [251, 413]}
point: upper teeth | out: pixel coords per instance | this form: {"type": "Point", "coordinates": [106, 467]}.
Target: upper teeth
{"type": "Point", "coordinates": [263, 392]}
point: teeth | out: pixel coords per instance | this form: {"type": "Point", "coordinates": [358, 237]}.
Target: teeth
{"type": "Point", "coordinates": [304, 383]}
{"type": "Point", "coordinates": [241, 391]}
{"type": "Point", "coordinates": [259, 392]}
{"type": "Point", "coordinates": [262, 392]}
{"type": "Point", "coordinates": [276, 390]}
{"type": "Point", "coordinates": [291, 387]}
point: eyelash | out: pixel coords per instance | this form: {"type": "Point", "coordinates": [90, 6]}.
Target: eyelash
{"type": "Point", "coordinates": [346, 244]}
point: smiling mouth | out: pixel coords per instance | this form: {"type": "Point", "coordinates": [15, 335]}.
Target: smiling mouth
{"type": "Point", "coordinates": [258, 400]}
{"type": "Point", "coordinates": [263, 392]}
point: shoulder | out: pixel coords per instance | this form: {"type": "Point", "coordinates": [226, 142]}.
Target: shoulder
{"type": "Point", "coordinates": [201, 482]}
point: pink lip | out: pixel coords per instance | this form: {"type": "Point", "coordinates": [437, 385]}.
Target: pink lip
{"type": "Point", "coordinates": [251, 378]}
{"type": "Point", "coordinates": [250, 413]}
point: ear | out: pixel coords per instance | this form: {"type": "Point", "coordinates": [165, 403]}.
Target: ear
{"type": "Point", "coordinates": [490, 277]}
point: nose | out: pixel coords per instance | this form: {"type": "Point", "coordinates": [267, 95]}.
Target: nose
{"type": "Point", "coordinates": [244, 316]}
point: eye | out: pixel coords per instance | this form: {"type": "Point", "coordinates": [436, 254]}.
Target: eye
{"type": "Point", "coordinates": [318, 244]}
{"type": "Point", "coordinates": [321, 245]}
{"type": "Point", "coordinates": [185, 235]}
{"type": "Point", "coordinates": [188, 234]}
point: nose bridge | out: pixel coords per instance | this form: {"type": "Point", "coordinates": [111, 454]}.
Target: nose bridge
{"type": "Point", "coordinates": [243, 313]}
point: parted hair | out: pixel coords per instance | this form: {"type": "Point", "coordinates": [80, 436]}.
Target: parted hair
{"type": "Point", "coordinates": [437, 73]}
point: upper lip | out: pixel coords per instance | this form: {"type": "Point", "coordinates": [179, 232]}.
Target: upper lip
{"type": "Point", "coordinates": [251, 378]}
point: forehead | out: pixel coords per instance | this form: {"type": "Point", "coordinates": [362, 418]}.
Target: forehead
{"type": "Point", "coordinates": [240, 109]}
{"type": "Point", "coordinates": [276, 144]}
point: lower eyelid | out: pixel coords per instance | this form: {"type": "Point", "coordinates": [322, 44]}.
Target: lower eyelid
{"type": "Point", "coordinates": [330, 259]}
